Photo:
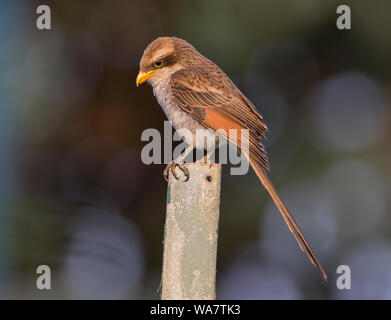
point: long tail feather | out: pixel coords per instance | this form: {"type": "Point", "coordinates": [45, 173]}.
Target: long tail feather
{"type": "Point", "coordinates": [293, 227]}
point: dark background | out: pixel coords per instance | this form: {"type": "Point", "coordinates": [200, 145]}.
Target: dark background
{"type": "Point", "coordinates": [75, 195]}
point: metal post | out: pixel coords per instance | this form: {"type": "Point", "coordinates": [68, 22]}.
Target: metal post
{"type": "Point", "coordinates": [190, 236]}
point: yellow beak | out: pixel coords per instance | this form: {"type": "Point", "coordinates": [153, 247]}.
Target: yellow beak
{"type": "Point", "coordinates": [143, 76]}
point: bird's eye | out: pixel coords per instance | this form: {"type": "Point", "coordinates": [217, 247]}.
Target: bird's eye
{"type": "Point", "coordinates": [158, 64]}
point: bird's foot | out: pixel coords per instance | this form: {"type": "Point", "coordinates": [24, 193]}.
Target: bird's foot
{"type": "Point", "coordinates": [172, 166]}
{"type": "Point", "coordinates": [205, 159]}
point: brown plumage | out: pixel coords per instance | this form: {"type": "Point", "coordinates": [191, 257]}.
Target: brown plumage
{"type": "Point", "coordinates": [195, 93]}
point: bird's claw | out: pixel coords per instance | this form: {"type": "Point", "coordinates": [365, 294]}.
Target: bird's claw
{"type": "Point", "coordinates": [171, 166]}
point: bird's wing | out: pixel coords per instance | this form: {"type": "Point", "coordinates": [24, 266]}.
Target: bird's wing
{"type": "Point", "coordinates": [213, 100]}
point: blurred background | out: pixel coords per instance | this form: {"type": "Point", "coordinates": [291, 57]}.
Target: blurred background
{"type": "Point", "coordinates": [74, 194]}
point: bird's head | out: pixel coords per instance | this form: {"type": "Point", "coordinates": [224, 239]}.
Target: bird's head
{"type": "Point", "coordinates": [163, 57]}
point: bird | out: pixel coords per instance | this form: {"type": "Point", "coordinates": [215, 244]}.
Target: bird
{"type": "Point", "coordinates": [196, 94]}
